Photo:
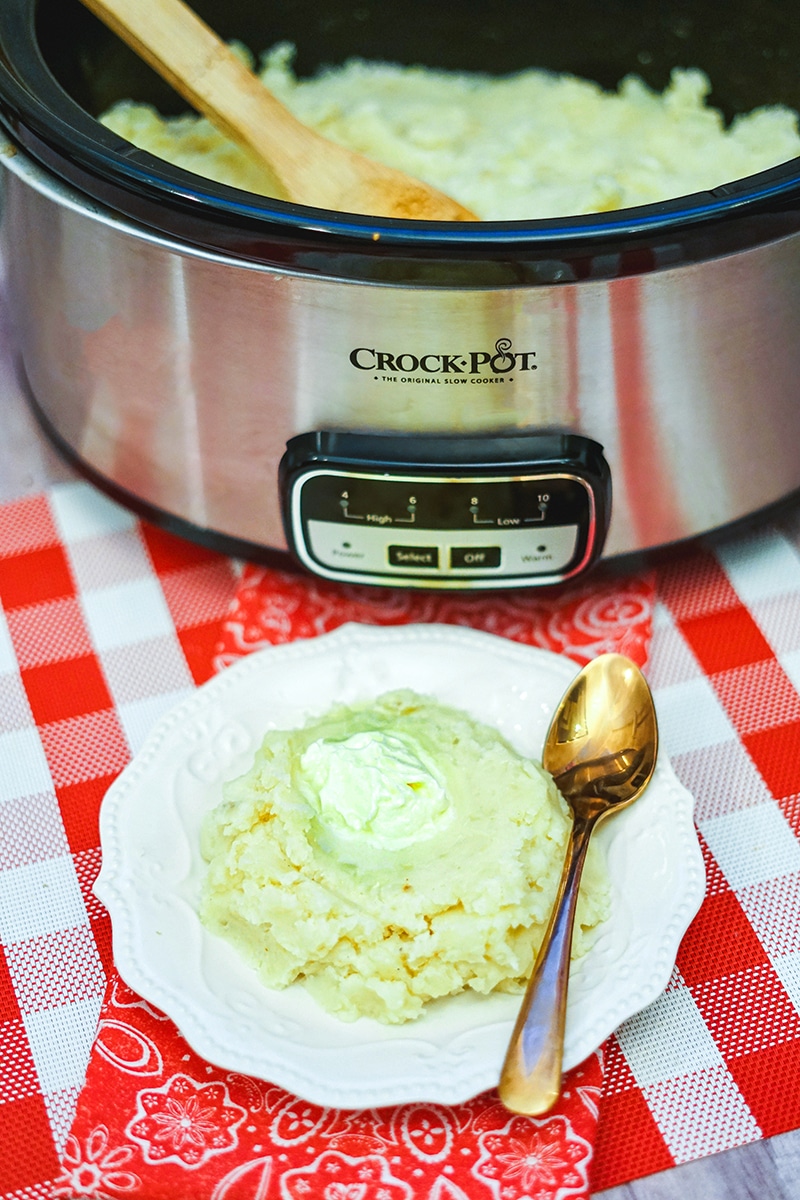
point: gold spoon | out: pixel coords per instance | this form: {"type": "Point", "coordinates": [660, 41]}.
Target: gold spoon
{"type": "Point", "coordinates": [173, 40]}
{"type": "Point", "coordinates": [601, 750]}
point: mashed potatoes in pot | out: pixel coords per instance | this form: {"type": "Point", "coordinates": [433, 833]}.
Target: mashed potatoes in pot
{"type": "Point", "coordinates": [388, 854]}
{"type": "Point", "coordinates": [530, 145]}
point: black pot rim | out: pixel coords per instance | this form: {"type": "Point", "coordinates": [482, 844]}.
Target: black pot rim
{"type": "Point", "coordinates": [42, 118]}
{"type": "Point", "coordinates": [33, 100]}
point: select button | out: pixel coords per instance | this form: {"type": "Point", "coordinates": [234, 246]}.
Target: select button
{"type": "Point", "coordinates": [414, 556]}
{"type": "Point", "coordinates": [475, 557]}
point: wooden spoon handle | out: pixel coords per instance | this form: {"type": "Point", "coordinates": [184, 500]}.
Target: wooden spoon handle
{"type": "Point", "coordinates": [172, 39]}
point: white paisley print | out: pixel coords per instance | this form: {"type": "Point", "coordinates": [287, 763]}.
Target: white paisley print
{"type": "Point", "coordinates": [185, 1121]}
{"type": "Point", "coordinates": [92, 1170]}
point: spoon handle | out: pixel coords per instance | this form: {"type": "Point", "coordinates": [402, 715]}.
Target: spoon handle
{"type": "Point", "coordinates": [530, 1081]}
{"type": "Point", "coordinates": [308, 168]}
{"type": "Point", "coordinates": [169, 36]}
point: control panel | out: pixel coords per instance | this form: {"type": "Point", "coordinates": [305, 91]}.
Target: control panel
{"type": "Point", "coordinates": [445, 512]}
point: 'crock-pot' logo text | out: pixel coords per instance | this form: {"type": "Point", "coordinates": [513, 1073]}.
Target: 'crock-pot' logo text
{"type": "Point", "coordinates": [502, 361]}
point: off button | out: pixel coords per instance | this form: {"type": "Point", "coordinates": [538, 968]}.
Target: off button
{"type": "Point", "coordinates": [475, 557]}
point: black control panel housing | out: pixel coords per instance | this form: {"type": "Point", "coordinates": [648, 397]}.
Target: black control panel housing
{"type": "Point", "coordinates": [445, 511]}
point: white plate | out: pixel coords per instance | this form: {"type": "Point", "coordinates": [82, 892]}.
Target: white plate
{"type": "Point", "coordinates": [152, 871]}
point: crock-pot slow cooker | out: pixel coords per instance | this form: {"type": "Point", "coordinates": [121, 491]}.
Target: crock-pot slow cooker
{"type": "Point", "coordinates": [397, 402]}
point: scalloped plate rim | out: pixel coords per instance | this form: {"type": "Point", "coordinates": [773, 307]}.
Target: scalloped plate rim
{"type": "Point", "coordinates": [114, 888]}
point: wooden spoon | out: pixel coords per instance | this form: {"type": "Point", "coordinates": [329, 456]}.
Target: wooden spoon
{"type": "Point", "coordinates": [173, 40]}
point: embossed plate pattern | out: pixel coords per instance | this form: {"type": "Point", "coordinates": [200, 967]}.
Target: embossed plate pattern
{"type": "Point", "coordinates": [152, 872]}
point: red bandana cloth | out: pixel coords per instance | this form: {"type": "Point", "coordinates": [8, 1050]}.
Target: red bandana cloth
{"type": "Point", "coordinates": [156, 1121]}
{"type": "Point", "coordinates": [606, 613]}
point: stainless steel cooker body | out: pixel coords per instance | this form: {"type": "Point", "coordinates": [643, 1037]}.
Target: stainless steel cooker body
{"type": "Point", "coordinates": [179, 376]}
{"type": "Point", "coordinates": [177, 336]}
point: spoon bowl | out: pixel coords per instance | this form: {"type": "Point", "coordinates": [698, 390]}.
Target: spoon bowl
{"type": "Point", "coordinates": [601, 749]}
{"type": "Point", "coordinates": [311, 170]}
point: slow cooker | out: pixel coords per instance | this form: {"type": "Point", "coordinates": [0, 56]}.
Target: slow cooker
{"type": "Point", "coordinates": [405, 403]}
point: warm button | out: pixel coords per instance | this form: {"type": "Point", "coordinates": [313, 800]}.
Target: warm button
{"type": "Point", "coordinates": [475, 556]}
{"type": "Point", "coordinates": [414, 556]}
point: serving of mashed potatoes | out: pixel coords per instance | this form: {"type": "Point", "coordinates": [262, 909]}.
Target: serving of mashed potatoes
{"type": "Point", "coordinates": [389, 854]}
{"type": "Point", "coordinates": [525, 146]}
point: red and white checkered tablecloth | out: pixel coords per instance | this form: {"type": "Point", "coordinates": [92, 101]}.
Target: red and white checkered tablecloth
{"type": "Point", "coordinates": [106, 623]}
{"type": "Point", "coordinates": [715, 1062]}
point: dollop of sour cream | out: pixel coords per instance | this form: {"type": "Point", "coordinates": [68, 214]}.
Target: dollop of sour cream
{"type": "Point", "coordinates": [375, 788]}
